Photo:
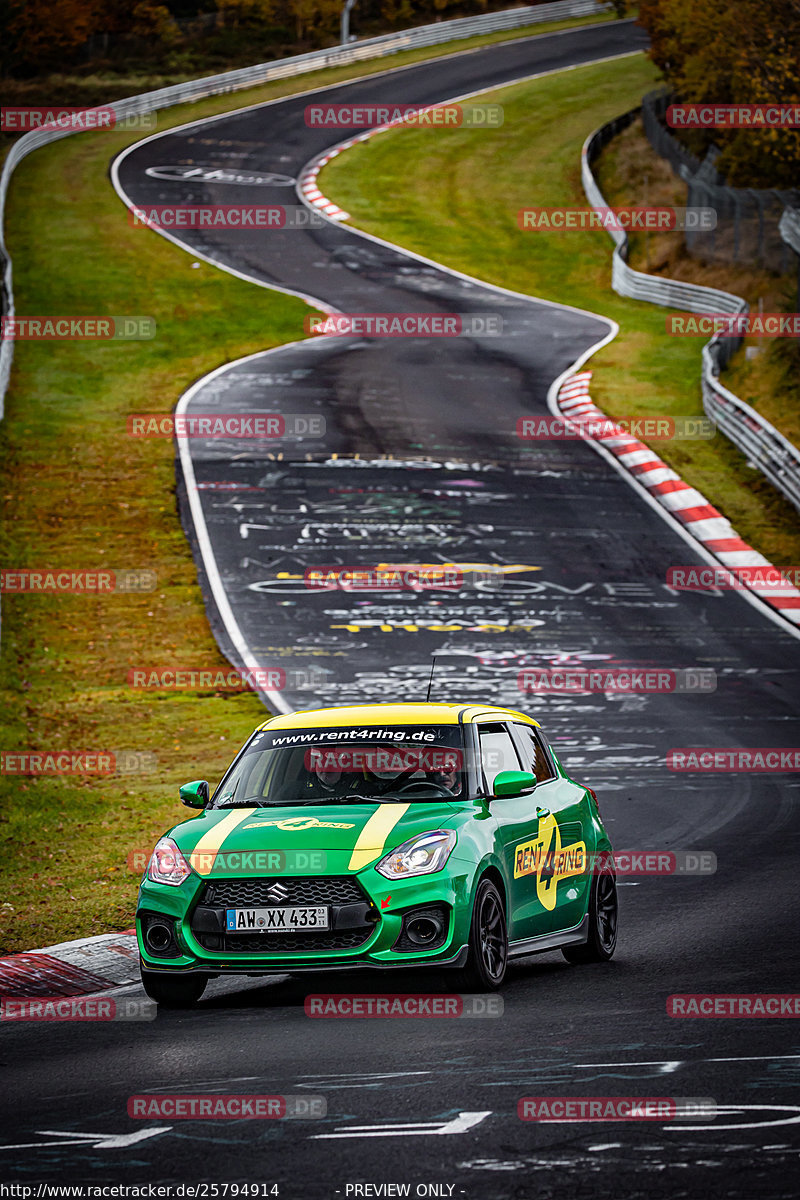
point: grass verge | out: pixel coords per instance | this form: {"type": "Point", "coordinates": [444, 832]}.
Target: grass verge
{"type": "Point", "coordinates": [78, 493]}
{"type": "Point", "coordinates": [453, 195]}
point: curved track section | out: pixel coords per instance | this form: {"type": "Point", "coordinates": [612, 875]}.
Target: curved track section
{"type": "Point", "coordinates": [582, 556]}
{"type": "Point", "coordinates": [420, 461]}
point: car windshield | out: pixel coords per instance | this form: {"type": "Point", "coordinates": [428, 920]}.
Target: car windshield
{"type": "Point", "coordinates": [370, 763]}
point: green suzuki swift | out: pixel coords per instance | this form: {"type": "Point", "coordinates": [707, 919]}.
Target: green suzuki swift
{"type": "Point", "coordinates": [382, 836]}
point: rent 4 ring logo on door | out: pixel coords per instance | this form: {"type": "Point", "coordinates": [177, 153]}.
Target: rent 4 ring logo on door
{"type": "Point", "coordinates": [545, 857]}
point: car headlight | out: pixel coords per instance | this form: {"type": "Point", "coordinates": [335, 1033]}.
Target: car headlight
{"type": "Point", "coordinates": [167, 864]}
{"type": "Point", "coordinates": [421, 855]}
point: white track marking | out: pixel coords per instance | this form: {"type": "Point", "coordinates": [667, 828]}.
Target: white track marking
{"type": "Point", "coordinates": [459, 1124]}
{"type": "Point", "coordinates": [668, 1066]}
{"type": "Point", "coordinates": [753, 1058]}
{"type": "Point", "coordinates": [100, 1141]}
{"type": "Point", "coordinates": [727, 1110]}
{"type": "Point", "coordinates": [237, 638]}
{"type": "Point", "coordinates": [390, 1074]}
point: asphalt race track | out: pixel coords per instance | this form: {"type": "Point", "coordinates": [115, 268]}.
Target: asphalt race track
{"type": "Point", "coordinates": [580, 579]}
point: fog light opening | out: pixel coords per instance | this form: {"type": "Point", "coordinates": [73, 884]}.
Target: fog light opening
{"type": "Point", "coordinates": [158, 936]}
{"type": "Point", "coordinates": [424, 929]}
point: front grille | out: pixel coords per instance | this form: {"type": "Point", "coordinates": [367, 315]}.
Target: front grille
{"type": "Point", "coordinates": [303, 889]}
{"type": "Point", "coordinates": [276, 943]}
{"type": "Point", "coordinates": [337, 892]}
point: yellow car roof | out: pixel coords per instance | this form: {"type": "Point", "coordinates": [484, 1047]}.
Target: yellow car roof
{"type": "Point", "coordinates": [403, 714]}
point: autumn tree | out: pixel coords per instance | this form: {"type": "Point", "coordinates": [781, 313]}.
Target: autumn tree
{"type": "Point", "coordinates": [734, 53]}
{"type": "Point", "coordinates": [239, 13]}
{"type": "Point", "coordinates": [46, 33]}
{"type": "Point", "coordinates": [312, 15]}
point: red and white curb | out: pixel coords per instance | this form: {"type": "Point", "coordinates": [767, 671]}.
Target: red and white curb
{"type": "Point", "coordinates": [307, 185]}
{"type": "Point", "coordinates": [307, 182]}
{"type": "Point", "coordinates": [685, 503]}
{"type": "Point", "coordinates": [78, 968]}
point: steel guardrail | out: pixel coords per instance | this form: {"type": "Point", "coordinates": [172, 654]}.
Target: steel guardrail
{"type": "Point", "coordinates": [763, 445]}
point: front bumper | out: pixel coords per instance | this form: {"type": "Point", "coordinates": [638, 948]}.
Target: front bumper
{"type": "Point", "coordinates": [367, 926]}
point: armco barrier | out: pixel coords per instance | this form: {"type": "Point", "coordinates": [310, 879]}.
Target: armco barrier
{"type": "Point", "coordinates": [285, 68]}
{"type": "Point", "coordinates": [761, 442]}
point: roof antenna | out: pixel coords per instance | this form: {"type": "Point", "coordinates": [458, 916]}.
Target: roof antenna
{"type": "Point", "coordinates": [430, 681]}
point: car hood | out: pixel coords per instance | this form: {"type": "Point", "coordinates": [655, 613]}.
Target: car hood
{"type": "Point", "coordinates": [237, 841]}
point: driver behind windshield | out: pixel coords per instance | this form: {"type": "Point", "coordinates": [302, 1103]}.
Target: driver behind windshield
{"type": "Point", "coordinates": [347, 771]}
{"type": "Point", "coordinates": [448, 777]}
{"type": "Point", "coordinates": [325, 779]}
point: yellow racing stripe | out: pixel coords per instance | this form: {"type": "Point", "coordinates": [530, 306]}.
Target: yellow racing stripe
{"type": "Point", "coordinates": [373, 836]}
{"type": "Point", "coordinates": [201, 859]}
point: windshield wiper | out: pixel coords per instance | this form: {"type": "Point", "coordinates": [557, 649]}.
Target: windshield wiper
{"type": "Point", "coordinates": [371, 799]}
{"type": "Point", "coordinates": [242, 804]}
{"type": "Point", "coordinates": [314, 800]}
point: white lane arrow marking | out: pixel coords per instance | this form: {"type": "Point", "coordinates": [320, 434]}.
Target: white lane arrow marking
{"type": "Point", "coordinates": [459, 1124]}
{"type": "Point", "coordinates": [753, 1058]}
{"type": "Point", "coordinates": [104, 1141]}
{"type": "Point", "coordinates": [359, 1080]}
{"type": "Point", "coordinates": [666, 1066]}
{"type": "Point", "coordinates": [729, 1110]}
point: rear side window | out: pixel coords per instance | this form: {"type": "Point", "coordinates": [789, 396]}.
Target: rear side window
{"type": "Point", "coordinates": [534, 755]}
{"type": "Point", "coordinates": [497, 753]}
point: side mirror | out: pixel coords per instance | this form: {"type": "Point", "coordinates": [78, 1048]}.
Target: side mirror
{"type": "Point", "coordinates": [195, 795]}
{"type": "Point", "coordinates": [513, 783]}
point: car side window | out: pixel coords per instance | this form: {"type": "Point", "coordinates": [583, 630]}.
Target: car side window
{"type": "Point", "coordinates": [497, 753]}
{"type": "Point", "coordinates": [534, 755]}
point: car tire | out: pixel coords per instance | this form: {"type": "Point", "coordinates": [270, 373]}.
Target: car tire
{"type": "Point", "coordinates": [173, 991]}
{"type": "Point", "coordinates": [487, 958]}
{"type": "Point", "coordinates": [603, 914]}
